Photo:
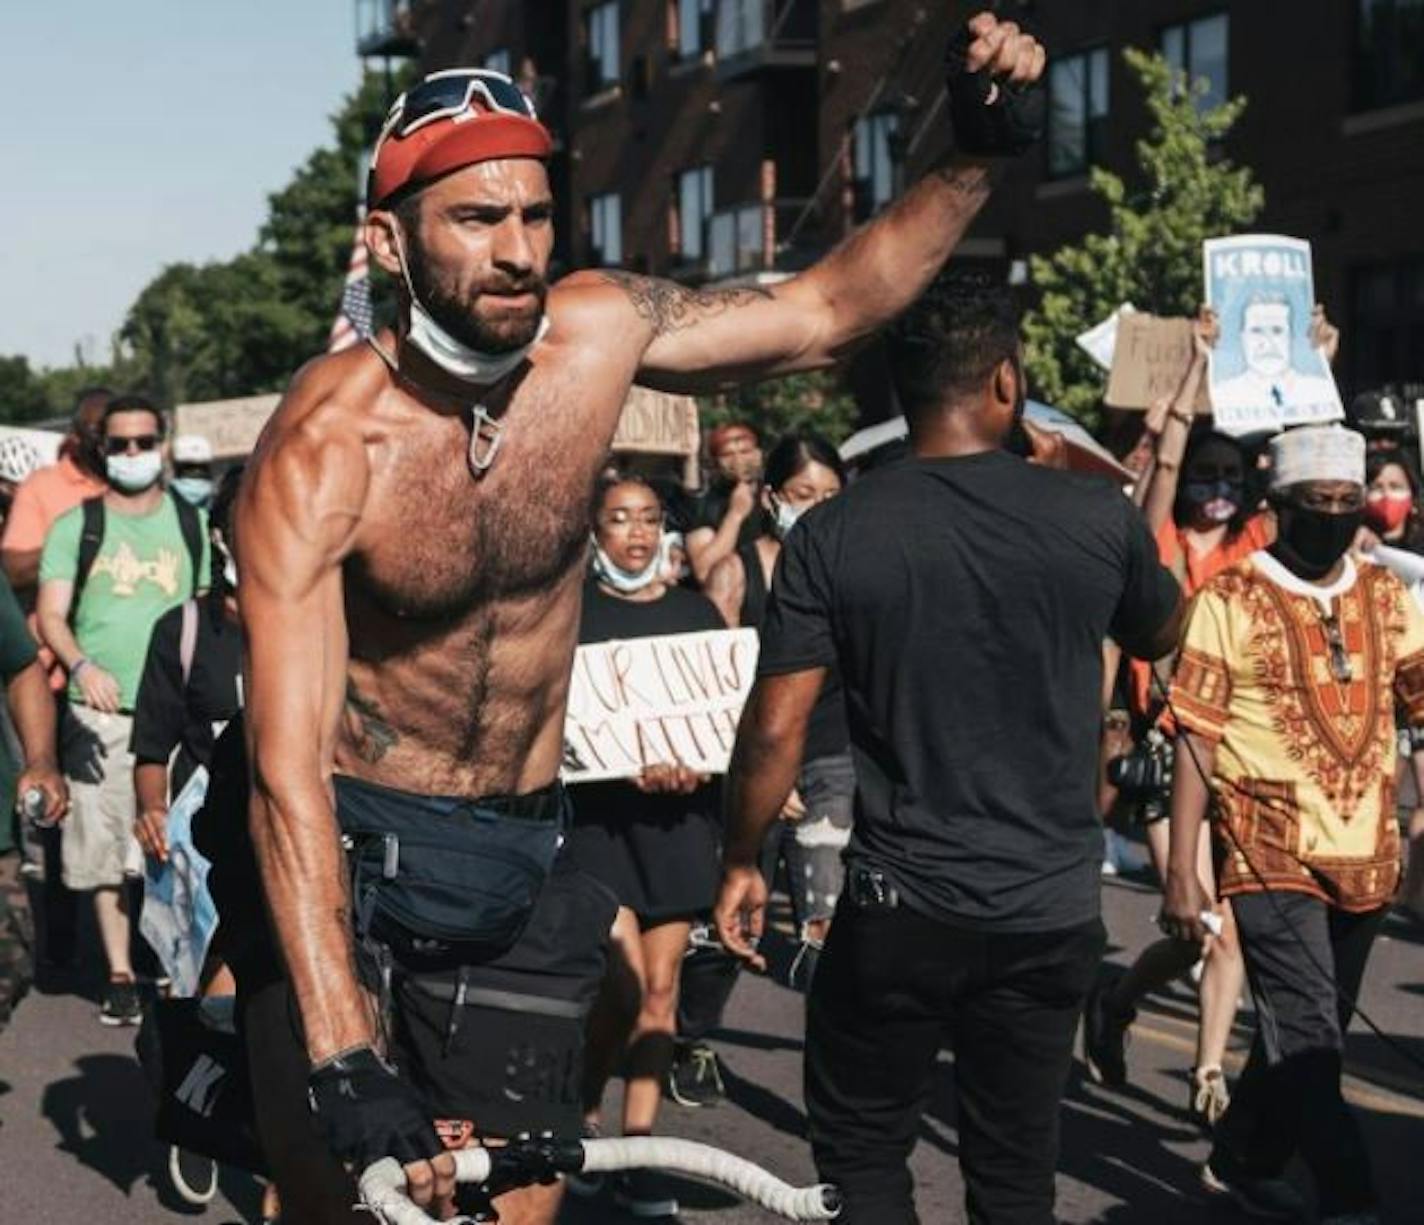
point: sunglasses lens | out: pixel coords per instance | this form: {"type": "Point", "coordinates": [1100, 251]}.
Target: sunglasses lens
{"type": "Point", "coordinates": [506, 95]}
{"type": "Point", "coordinates": [432, 97]}
{"type": "Point", "coordinates": [144, 442]}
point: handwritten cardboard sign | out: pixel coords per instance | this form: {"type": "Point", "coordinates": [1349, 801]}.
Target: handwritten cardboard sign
{"type": "Point", "coordinates": [1150, 357]}
{"type": "Point", "coordinates": [231, 426]}
{"type": "Point", "coordinates": [646, 701]}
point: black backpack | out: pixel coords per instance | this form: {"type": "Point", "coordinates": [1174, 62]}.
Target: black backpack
{"type": "Point", "coordinates": [92, 537]}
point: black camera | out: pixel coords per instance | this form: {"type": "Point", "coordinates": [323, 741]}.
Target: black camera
{"type": "Point", "coordinates": [1143, 777]}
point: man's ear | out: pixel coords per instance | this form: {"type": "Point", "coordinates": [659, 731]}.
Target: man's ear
{"type": "Point", "coordinates": [1005, 385]}
{"type": "Point", "coordinates": [381, 240]}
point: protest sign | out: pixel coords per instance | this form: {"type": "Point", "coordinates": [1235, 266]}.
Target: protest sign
{"type": "Point", "coordinates": [646, 701]}
{"type": "Point", "coordinates": [1264, 374]}
{"type": "Point", "coordinates": [179, 917]}
{"type": "Point", "coordinates": [1099, 340]}
{"type": "Point", "coordinates": [1150, 359]}
{"type": "Point", "coordinates": [231, 426]}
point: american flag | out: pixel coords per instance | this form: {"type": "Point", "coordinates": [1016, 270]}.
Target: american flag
{"type": "Point", "coordinates": [353, 320]}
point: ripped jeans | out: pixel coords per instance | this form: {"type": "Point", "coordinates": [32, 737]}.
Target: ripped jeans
{"type": "Point", "coordinates": [812, 846]}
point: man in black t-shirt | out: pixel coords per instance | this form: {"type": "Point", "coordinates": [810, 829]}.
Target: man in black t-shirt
{"type": "Point", "coordinates": [964, 596]}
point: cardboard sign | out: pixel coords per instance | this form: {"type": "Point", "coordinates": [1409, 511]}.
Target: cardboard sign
{"type": "Point", "coordinates": [231, 426]}
{"type": "Point", "coordinates": [1264, 374]}
{"type": "Point", "coordinates": [657, 423]}
{"type": "Point", "coordinates": [1150, 359]}
{"type": "Point", "coordinates": [648, 701]}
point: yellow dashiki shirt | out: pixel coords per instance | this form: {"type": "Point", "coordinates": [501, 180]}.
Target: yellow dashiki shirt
{"type": "Point", "coordinates": [1305, 762]}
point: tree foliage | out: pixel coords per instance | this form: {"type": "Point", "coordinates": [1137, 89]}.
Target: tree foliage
{"type": "Point", "coordinates": [815, 401]}
{"type": "Point", "coordinates": [1151, 253]}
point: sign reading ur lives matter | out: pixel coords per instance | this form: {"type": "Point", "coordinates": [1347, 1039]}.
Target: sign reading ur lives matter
{"type": "Point", "coordinates": [649, 701]}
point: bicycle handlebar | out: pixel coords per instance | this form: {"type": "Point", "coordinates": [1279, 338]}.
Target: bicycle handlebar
{"type": "Point", "coordinates": [525, 1162]}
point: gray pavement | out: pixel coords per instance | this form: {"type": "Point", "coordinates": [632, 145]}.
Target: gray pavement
{"type": "Point", "coordinates": [76, 1146]}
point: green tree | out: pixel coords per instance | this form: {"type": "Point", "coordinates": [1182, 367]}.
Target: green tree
{"type": "Point", "coordinates": [1151, 253]}
{"type": "Point", "coordinates": [815, 401]}
{"type": "Point", "coordinates": [22, 392]}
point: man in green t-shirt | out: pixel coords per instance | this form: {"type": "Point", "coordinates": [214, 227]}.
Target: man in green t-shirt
{"type": "Point", "coordinates": [31, 708]}
{"type": "Point", "coordinates": [140, 569]}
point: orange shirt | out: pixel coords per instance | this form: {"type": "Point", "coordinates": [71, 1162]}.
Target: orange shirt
{"type": "Point", "coordinates": [41, 498]}
{"type": "Point", "coordinates": [1194, 570]}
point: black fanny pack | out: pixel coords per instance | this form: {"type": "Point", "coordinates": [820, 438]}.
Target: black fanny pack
{"type": "Point", "coordinates": [431, 871]}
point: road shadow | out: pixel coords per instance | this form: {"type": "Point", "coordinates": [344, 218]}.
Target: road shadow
{"type": "Point", "coordinates": [773, 1110]}
{"type": "Point", "coordinates": [757, 1041]}
{"type": "Point", "coordinates": [103, 1116]}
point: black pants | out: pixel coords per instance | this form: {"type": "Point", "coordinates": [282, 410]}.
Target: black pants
{"type": "Point", "coordinates": [892, 985]}
{"type": "Point", "coordinates": [1288, 1099]}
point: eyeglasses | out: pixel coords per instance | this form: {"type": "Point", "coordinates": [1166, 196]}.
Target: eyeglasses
{"type": "Point", "coordinates": [121, 446]}
{"type": "Point", "coordinates": [445, 95]}
{"type": "Point", "coordinates": [1339, 656]}
{"type": "Point", "coordinates": [622, 520]}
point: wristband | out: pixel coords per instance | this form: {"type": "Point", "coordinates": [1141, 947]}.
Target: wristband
{"type": "Point", "coordinates": [1185, 418]}
{"type": "Point", "coordinates": [81, 662]}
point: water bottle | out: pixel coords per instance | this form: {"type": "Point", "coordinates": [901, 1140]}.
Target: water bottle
{"type": "Point", "coordinates": [32, 807]}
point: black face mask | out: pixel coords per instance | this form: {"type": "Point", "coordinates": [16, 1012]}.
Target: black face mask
{"type": "Point", "coordinates": [1310, 542]}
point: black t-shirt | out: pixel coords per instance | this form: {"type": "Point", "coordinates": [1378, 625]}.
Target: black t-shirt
{"type": "Point", "coordinates": [605, 618]}
{"type": "Point", "coordinates": [166, 714]}
{"type": "Point", "coordinates": [966, 601]}
{"type": "Point", "coordinates": [711, 509]}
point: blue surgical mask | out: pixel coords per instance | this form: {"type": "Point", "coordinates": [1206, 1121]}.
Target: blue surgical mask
{"type": "Point", "coordinates": [197, 490]}
{"type": "Point", "coordinates": [134, 473]}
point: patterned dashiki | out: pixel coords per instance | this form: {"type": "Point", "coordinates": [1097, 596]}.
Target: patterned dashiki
{"type": "Point", "coordinates": [1305, 755]}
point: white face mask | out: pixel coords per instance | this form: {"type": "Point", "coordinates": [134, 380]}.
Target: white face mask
{"type": "Point", "coordinates": [621, 580]}
{"type": "Point", "coordinates": [786, 516]}
{"type": "Point", "coordinates": [134, 473]}
{"type": "Point", "coordinates": [451, 355]}
{"type": "Point", "coordinates": [198, 490]}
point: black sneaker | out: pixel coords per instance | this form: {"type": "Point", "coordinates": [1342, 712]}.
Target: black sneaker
{"type": "Point", "coordinates": [642, 1193]}
{"type": "Point", "coordinates": [121, 1005]}
{"type": "Point", "coordinates": [194, 1176]}
{"type": "Point", "coordinates": [694, 1078]}
{"type": "Point", "coordinates": [1105, 1037]}
{"type": "Point", "coordinates": [1269, 1199]}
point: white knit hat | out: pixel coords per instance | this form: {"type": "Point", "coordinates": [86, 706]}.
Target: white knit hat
{"type": "Point", "coordinates": [192, 449]}
{"type": "Point", "coordinates": [1317, 453]}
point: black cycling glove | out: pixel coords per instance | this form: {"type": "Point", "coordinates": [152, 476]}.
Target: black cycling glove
{"type": "Point", "coordinates": [365, 1112]}
{"type": "Point", "coordinates": [1002, 128]}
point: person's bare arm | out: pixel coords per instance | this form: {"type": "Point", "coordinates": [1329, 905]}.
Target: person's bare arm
{"type": "Point", "coordinates": [1184, 900]}
{"type": "Point", "coordinates": [1177, 426]}
{"type": "Point", "coordinates": [765, 759]}
{"type": "Point", "coordinates": [100, 689]}
{"type": "Point", "coordinates": [33, 711]}
{"type": "Point", "coordinates": [296, 518]}
{"type": "Point", "coordinates": [725, 587]}
{"type": "Point", "coordinates": [22, 568]}
{"type": "Point", "coordinates": [151, 798]}
{"type": "Point", "coordinates": [706, 548]}
{"type": "Point", "coordinates": [702, 339]}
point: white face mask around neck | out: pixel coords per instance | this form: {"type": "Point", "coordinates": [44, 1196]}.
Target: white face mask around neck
{"type": "Point", "coordinates": [451, 355]}
{"type": "Point", "coordinates": [626, 582]}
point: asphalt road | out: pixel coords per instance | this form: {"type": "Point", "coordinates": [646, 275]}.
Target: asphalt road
{"type": "Point", "coordinates": [76, 1146]}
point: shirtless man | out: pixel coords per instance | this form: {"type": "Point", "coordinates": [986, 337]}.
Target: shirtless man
{"type": "Point", "coordinates": [412, 541]}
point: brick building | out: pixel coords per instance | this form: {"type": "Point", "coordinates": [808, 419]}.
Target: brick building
{"type": "Point", "coordinates": [709, 139]}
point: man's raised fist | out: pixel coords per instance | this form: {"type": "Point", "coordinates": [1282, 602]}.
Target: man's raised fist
{"type": "Point", "coordinates": [996, 99]}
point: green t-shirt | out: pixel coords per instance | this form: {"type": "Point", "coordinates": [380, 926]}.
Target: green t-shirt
{"type": "Point", "coordinates": [141, 571]}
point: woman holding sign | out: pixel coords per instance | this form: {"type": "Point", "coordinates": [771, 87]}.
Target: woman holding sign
{"type": "Point", "coordinates": [652, 838]}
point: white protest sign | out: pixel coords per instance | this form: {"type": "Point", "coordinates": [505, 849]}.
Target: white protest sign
{"type": "Point", "coordinates": [1099, 341]}
{"type": "Point", "coordinates": [1264, 374]}
{"type": "Point", "coordinates": [646, 701]}
{"type": "Point", "coordinates": [179, 917]}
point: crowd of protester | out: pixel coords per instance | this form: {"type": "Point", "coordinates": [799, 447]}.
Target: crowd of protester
{"type": "Point", "coordinates": [121, 656]}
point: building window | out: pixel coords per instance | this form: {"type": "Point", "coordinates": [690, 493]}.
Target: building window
{"type": "Point", "coordinates": [735, 240]}
{"type": "Point", "coordinates": [1386, 332]}
{"type": "Point", "coordinates": [605, 226]}
{"type": "Point", "coordinates": [693, 27]}
{"type": "Point", "coordinates": [873, 148]}
{"type": "Point", "coordinates": [601, 39]}
{"type": "Point", "coordinates": [741, 26]}
{"type": "Point", "coordinates": [1389, 53]}
{"type": "Point", "coordinates": [694, 210]}
{"type": "Point", "coordinates": [1077, 112]}
{"type": "Point", "coordinates": [498, 61]}
{"type": "Point", "coordinates": [1198, 50]}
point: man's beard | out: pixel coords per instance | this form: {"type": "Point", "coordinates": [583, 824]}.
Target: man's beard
{"type": "Point", "coordinates": [460, 317]}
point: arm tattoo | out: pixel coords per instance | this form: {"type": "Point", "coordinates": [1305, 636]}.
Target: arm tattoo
{"type": "Point", "coordinates": [670, 307]}
{"type": "Point", "coordinates": [373, 736]}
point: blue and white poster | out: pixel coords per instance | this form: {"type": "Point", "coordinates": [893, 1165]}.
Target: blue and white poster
{"type": "Point", "coordinates": [1264, 373]}
{"type": "Point", "coordinates": [179, 917]}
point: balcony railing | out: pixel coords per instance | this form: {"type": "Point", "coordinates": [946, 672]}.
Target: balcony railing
{"type": "Point", "coordinates": [386, 28]}
{"type": "Point", "coordinates": [755, 34]}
